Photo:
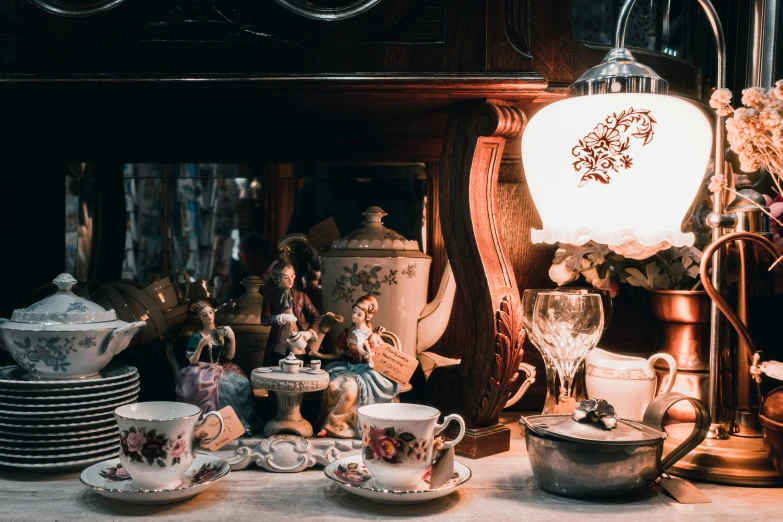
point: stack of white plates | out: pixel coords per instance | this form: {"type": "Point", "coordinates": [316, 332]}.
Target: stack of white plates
{"type": "Point", "coordinates": [62, 424]}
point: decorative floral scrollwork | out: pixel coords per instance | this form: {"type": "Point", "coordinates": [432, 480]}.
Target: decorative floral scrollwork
{"type": "Point", "coordinates": [505, 367]}
{"type": "Point", "coordinates": [605, 149]}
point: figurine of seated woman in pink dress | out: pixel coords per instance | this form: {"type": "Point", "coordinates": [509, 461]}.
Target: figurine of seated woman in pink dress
{"type": "Point", "coordinates": [212, 381]}
{"type": "Point", "coordinates": [353, 382]}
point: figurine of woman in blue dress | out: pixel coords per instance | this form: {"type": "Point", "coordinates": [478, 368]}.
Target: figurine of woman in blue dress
{"type": "Point", "coordinates": [212, 381]}
{"type": "Point", "coordinates": [353, 382]}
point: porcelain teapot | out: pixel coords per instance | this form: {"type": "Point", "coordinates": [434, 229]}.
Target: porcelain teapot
{"type": "Point", "coordinates": [65, 336]}
{"type": "Point", "coordinates": [290, 364]}
{"type": "Point", "coordinates": [378, 261]}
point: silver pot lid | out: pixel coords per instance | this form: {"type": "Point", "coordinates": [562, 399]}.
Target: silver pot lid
{"type": "Point", "coordinates": [374, 240]}
{"type": "Point", "coordinates": [627, 433]}
{"type": "Point", "coordinates": [64, 307]}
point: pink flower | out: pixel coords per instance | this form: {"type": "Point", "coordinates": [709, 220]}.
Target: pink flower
{"type": "Point", "coordinates": [383, 447]}
{"type": "Point", "coordinates": [136, 441]}
{"type": "Point", "coordinates": [179, 448]}
{"type": "Point", "coordinates": [121, 473]}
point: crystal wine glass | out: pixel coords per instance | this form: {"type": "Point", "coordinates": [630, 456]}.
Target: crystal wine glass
{"type": "Point", "coordinates": [567, 326]}
{"type": "Point", "coordinates": [553, 392]}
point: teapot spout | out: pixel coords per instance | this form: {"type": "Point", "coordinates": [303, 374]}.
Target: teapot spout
{"type": "Point", "coordinates": [435, 316]}
{"type": "Point", "coordinates": [119, 339]}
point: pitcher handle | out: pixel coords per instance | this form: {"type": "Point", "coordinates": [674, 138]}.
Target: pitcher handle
{"type": "Point", "coordinates": [649, 370]}
{"type": "Point", "coordinates": [528, 370]}
{"type": "Point", "coordinates": [653, 417]}
{"type": "Point", "coordinates": [207, 441]}
{"type": "Point", "coordinates": [182, 296]}
{"type": "Point", "coordinates": [284, 249]}
{"type": "Point", "coordinates": [440, 427]}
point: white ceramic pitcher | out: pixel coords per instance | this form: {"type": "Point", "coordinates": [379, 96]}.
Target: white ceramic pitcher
{"type": "Point", "coordinates": [628, 383]}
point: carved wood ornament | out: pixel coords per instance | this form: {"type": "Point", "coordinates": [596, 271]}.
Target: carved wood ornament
{"type": "Point", "coordinates": [492, 350]}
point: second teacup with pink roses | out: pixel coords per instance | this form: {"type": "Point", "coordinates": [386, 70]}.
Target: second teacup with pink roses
{"type": "Point", "coordinates": [157, 441]}
{"type": "Point", "coordinates": [397, 442]}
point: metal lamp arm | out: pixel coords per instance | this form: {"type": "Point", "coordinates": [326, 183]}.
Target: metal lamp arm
{"type": "Point", "coordinates": [719, 301]}
{"type": "Point", "coordinates": [717, 202]}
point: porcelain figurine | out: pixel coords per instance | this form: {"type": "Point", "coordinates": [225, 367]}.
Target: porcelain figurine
{"type": "Point", "coordinates": [284, 307]}
{"type": "Point", "coordinates": [212, 381]}
{"type": "Point", "coordinates": [352, 382]}
{"type": "Point", "coordinates": [65, 336]}
{"type": "Point", "coordinates": [378, 261]}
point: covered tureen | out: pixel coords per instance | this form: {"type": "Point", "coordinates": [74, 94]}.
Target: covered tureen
{"type": "Point", "coordinates": [65, 336]}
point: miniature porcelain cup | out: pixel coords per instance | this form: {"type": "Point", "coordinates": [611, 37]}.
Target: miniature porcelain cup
{"type": "Point", "coordinates": [397, 442]}
{"type": "Point", "coordinates": [157, 442]}
{"type": "Point", "coordinates": [627, 383]}
{"type": "Point", "coordinates": [315, 364]}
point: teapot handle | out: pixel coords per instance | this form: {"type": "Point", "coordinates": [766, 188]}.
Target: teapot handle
{"type": "Point", "coordinates": [653, 417]}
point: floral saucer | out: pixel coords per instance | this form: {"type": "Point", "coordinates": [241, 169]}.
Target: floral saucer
{"type": "Point", "coordinates": [351, 475]}
{"type": "Point", "coordinates": [110, 479]}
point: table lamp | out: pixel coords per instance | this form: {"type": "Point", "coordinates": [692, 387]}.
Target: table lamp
{"type": "Point", "coordinates": [603, 165]}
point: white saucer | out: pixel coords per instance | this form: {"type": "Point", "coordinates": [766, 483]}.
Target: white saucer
{"type": "Point", "coordinates": [15, 377]}
{"type": "Point", "coordinates": [103, 449]}
{"type": "Point", "coordinates": [52, 446]}
{"type": "Point", "coordinates": [62, 465]}
{"type": "Point", "coordinates": [47, 428]}
{"type": "Point", "coordinates": [72, 390]}
{"type": "Point", "coordinates": [315, 371]}
{"type": "Point", "coordinates": [46, 436]}
{"type": "Point", "coordinates": [263, 369]}
{"type": "Point", "coordinates": [103, 478]}
{"type": "Point", "coordinates": [70, 400]}
{"type": "Point", "coordinates": [70, 409]}
{"type": "Point", "coordinates": [363, 484]}
{"type": "Point", "coordinates": [32, 419]}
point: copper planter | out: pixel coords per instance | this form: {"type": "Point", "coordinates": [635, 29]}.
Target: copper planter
{"type": "Point", "coordinates": [683, 318]}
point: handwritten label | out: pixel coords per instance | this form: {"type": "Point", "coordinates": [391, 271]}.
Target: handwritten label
{"type": "Point", "coordinates": [322, 234]}
{"type": "Point", "coordinates": [232, 429]}
{"type": "Point", "coordinates": [393, 364]}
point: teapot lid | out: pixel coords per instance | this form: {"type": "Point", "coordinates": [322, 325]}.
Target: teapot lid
{"type": "Point", "coordinates": [290, 359]}
{"type": "Point", "coordinates": [589, 424]}
{"type": "Point", "coordinates": [374, 236]}
{"type": "Point", "coordinates": [64, 307]}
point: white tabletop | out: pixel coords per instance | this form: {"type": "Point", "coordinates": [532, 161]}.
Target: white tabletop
{"type": "Point", "coordinates": [502, 488]}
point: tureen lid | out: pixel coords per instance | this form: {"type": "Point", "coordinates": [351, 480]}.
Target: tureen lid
{"type": "Point", "coordinates": [374, 236]}
{"type": "Point", "coordinates": [64, 307]}
{"type": "Point", "coordinates": [593, 422]}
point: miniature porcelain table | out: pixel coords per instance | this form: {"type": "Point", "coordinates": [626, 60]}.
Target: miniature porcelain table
{"type": "Point", "coordinates": [288, 388]}
{"type": "Point", "coordinates": [502, 489]}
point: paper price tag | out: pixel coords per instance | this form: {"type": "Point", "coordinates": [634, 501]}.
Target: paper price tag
{"type": "Point", "coordinates": [393, 364]}
{"type": "Point", "coordinates": [323, 234]}
{"type": "Point", "coordinates": [683, 491]}
{"type": "Point", "coordinates": [232, 429]}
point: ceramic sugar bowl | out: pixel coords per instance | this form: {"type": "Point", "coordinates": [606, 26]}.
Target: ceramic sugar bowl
{"type": "Point", "coordinates": [65, 336]}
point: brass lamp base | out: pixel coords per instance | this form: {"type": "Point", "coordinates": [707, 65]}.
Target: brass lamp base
{"type": "Point", "coordinates": [739, 461]}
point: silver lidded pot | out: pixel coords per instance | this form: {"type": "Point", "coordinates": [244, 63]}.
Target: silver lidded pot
{"type": "Point", "coordinates": [590, 459]}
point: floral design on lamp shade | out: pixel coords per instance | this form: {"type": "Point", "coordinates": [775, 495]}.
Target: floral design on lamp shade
{"type": "Point", "coordinates": [604, 150]}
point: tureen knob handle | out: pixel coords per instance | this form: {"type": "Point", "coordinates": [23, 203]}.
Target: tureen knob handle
{"type": "Point", "coordinates": [64, 282]}
{"type": "Point", "coordinates": [373, 217]}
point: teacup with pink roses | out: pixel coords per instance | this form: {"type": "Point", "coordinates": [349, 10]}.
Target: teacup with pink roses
{"type": "Point", "coordinates": [157, 441]}
{"type": "Point", "coordinates": [397, 442]}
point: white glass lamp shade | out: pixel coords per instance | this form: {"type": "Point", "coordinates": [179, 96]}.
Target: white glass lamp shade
{"type": "Point", "coordinates": [619, 169]}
